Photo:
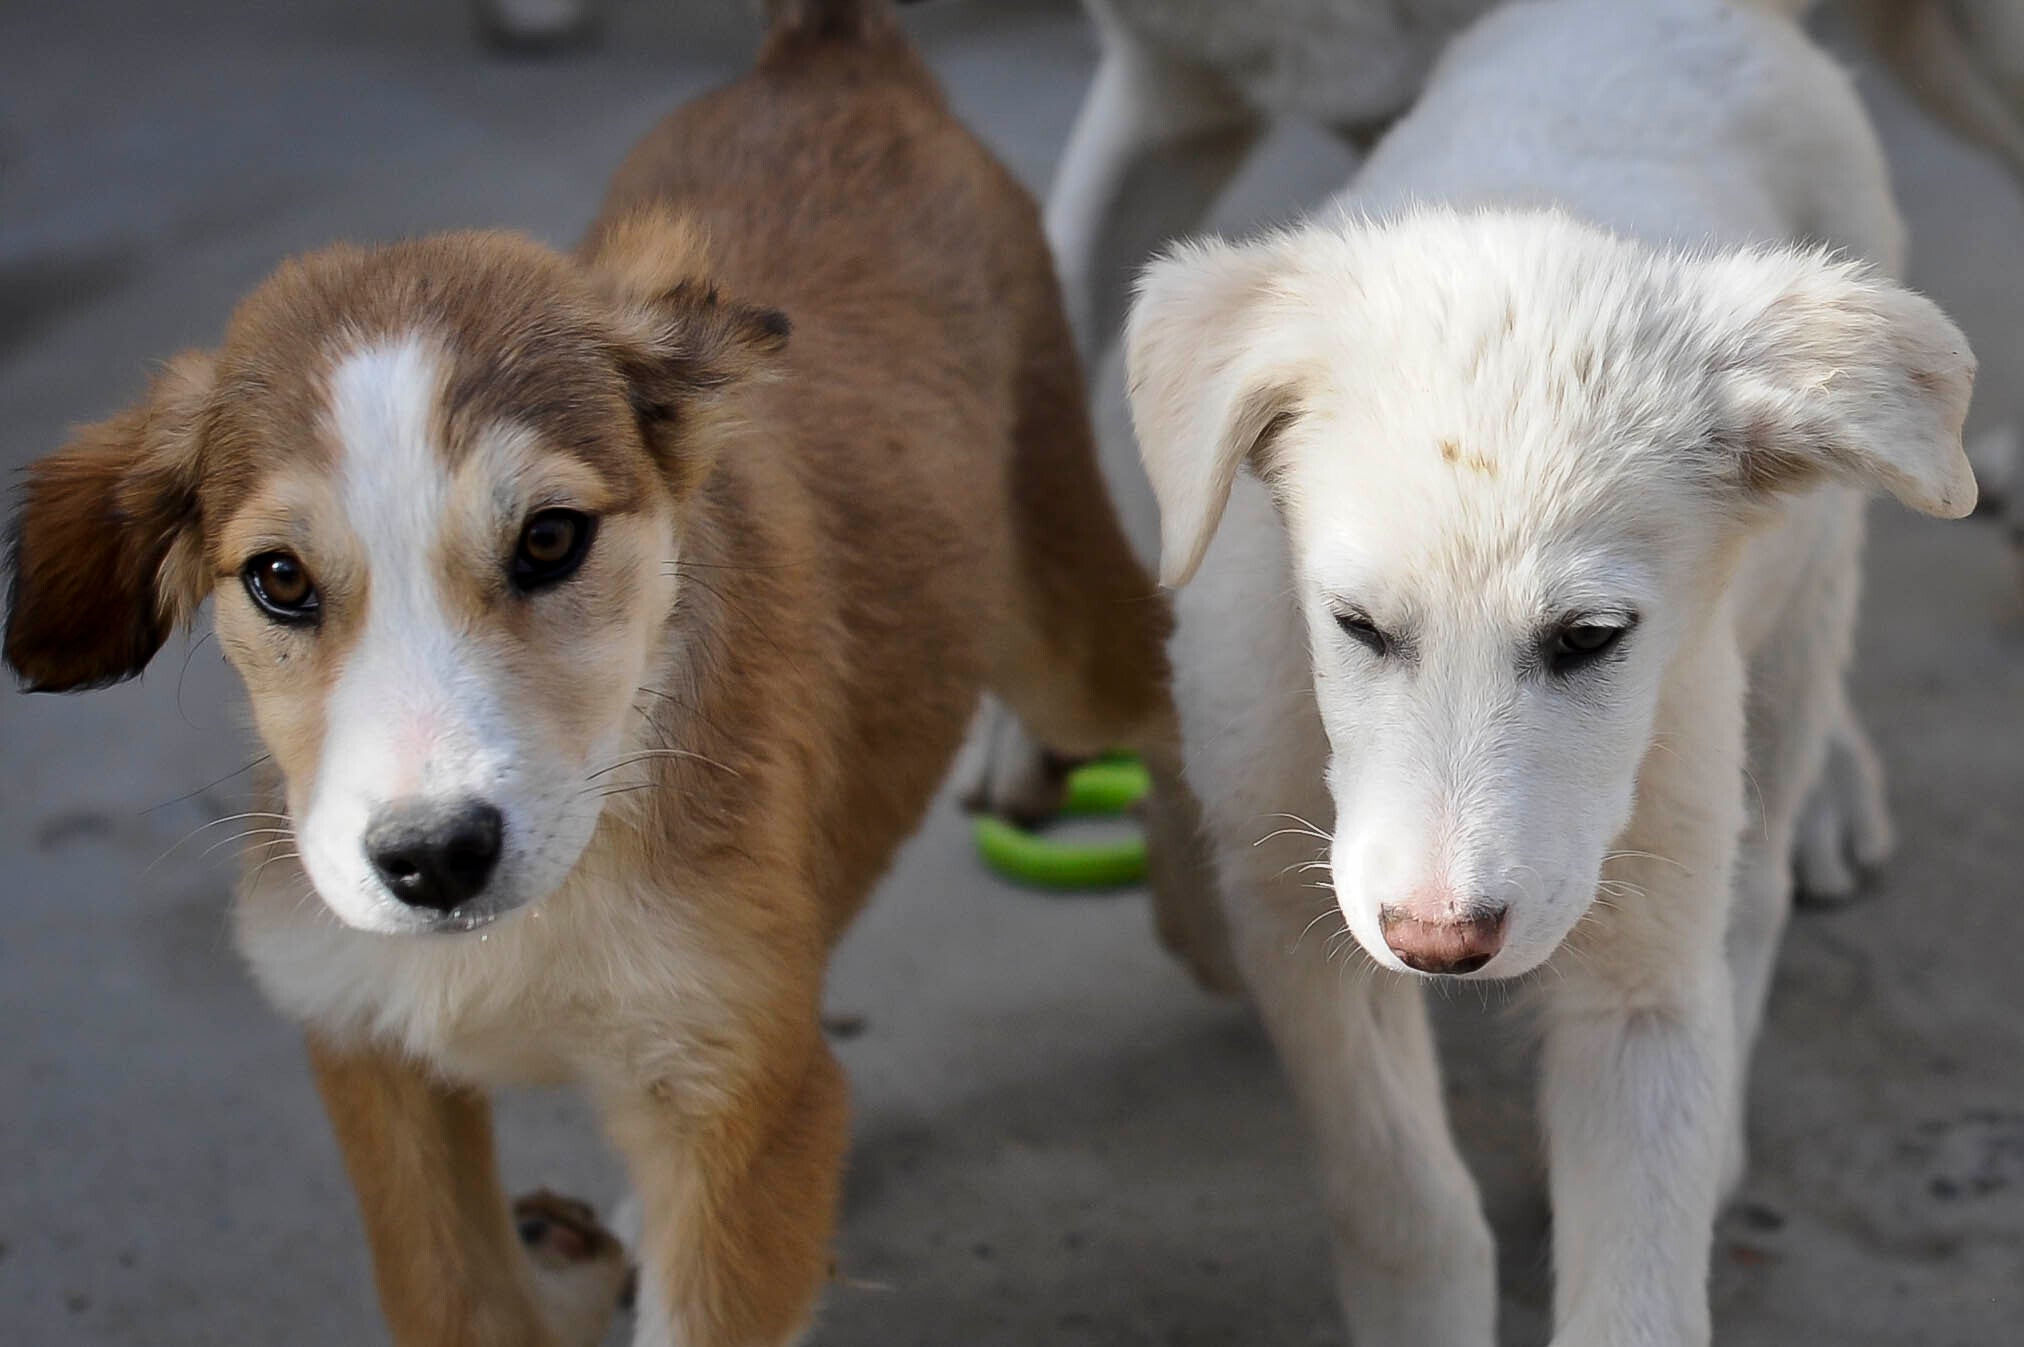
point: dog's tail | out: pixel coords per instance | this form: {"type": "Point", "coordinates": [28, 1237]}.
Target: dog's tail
{"type": "Point", "coordinates": [1963, 60]}
{"type": "Point", "coordinates": [791, 21]}
{"type": "Point", "coordinates": [1971, 80]}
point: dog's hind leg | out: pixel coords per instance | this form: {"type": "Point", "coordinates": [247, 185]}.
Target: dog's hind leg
{"type": "Point", "coordinates": [447, 1259]}
{"type": "Point", "coordinates": [1813, 787]}
{"type": "Point", "coordinates": [1081, 658]}
{"type": "Point", "coordinates": [1154, 145]}
{"type": "Point", "coordinates": [1845, 828]}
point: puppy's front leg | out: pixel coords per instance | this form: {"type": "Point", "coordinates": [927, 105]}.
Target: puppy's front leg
{"type": "Point", "coordinates": [447, 1262]}
{"type": "Point", "coordinates": [1639, 1085]}
{"type": "Point", "coordinates": [738, 1200]}
{"type": "Point", "coordinates": [1415, 1263]}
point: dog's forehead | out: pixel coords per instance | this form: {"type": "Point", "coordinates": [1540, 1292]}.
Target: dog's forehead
{"type": "Point", "coordinates": [478, 334]}
{"type": "Point", "coordinates": [1505, 410]}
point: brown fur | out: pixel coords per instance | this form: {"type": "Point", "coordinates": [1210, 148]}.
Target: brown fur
{"type": "Point", "coordinates": [879, 517]}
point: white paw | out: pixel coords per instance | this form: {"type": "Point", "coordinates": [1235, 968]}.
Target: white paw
{"type": "Point", "coordinates": [1009, 774]}
{"type": "Point", "coordinates": [1845, 828]}
{"type": "Point", "coordinates": [580, 1270]}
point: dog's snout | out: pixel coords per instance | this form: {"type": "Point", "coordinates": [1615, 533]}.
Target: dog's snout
{"type": "Point", "coordinates": [434, 855]}
{"type": "Point", "coordinates": [1454, 945]}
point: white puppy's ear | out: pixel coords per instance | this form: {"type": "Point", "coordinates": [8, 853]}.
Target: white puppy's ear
{"type": "Point", "coordinates": [1207, 392]}
{"type": "Point", "coordinates": [1823, 369]}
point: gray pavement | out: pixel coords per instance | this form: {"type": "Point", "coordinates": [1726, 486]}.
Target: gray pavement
{"type": "Point", "coordinates": [1058, 1139]}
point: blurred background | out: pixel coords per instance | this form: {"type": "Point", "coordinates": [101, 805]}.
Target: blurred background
{"type": "Point", "coordinates": [1058, 1138]}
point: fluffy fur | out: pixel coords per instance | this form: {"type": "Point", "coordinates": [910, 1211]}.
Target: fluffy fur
{"type": "Point", "coordinates": [1568, 362]}
{"type": "Point", "coordinates": [1187, 87]}
{"type": "Point", "coordinates": [811, 554]}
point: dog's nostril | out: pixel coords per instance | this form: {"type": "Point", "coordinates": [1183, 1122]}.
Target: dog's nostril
{"type": "Point", "coordinates": [435, 855]}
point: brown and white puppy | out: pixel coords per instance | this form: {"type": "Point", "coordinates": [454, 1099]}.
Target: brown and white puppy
{"type": "Point", "coordinates": [579, 603]}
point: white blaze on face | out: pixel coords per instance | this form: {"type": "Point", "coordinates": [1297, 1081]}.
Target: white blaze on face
{"type": "Point", "coordinates": [415, 712]}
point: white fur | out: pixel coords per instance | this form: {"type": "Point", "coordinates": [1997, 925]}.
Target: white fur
{"type": "Point", "coordinates": [416, 712]}
{"type": "Point", "coordinates": [1186, 88]}
{"type": "Point", "coordinates": [1469, 412]}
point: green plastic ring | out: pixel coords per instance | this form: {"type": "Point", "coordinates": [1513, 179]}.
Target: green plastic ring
{"type": "Point", "coordinates": [1107, 787]}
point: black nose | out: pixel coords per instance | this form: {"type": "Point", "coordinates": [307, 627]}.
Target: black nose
{"type": "Point", "coordinates": [434, 855]}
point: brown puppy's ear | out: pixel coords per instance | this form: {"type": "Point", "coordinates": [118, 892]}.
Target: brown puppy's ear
{"type": "Point", "coordinates": [683, 353]}
{"type": "Point", "coordinates": [106, 553]}
{"type": "Point", "coordinates": [681, 347]}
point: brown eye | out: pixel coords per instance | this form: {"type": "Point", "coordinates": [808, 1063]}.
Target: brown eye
{"type": "Point", "coordinates": [280, 584]}
{"type": "Point", "coordinates": [552, 546]}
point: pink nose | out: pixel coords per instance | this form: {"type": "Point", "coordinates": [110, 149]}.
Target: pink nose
{"type": "Point", "coordinates": [1457, 945]}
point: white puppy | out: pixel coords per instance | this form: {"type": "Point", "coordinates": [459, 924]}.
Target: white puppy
{"type": "Point", "coordinates": [1186, 88]}
{"type": "Point", "coordinates": [1555, 436]}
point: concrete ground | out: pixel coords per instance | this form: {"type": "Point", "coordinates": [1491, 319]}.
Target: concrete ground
{"type": "Point", "coordinates": [1058, 1139]}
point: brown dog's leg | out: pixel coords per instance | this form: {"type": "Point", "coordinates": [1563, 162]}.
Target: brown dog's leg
{"type": "Point", "coordinates": [1084, 660]}
{"type": "Point", "coordinates": [446, 1258]}
{"type": "Point", "coordinates": [1086, 666]}
{"type": "Point", "coordinates": [738, 1207]}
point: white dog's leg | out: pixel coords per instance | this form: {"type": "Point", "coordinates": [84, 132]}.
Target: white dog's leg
{"type": "Point", "coordinates": [1639, 1079]}
{"type": "Point", "coordinates": [1845, 828]}
{"type": "Point", "coordinates": [1815, 803]}
{"type": "Point", "coordinates": [1415, 1263]}
{"type": "Point", "coordinates": [1640, 1072]}
{"type": "Point", "coordinates": [1153, 146]}
{"type": "Point", "coordinates": [1756, 930]}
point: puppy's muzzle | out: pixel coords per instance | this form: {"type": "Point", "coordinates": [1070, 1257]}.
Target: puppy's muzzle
{"type": "Point", "coordinates": [1452, 946]}
{"type": "Point", "coordinates": [435, 855]}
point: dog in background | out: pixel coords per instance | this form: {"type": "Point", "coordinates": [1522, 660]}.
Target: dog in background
{"type": "Point", "coordinates": [1186, 88]}
{"type": "Point", "coordinates": [1518, 501]}
{"type": "Point", "coordinates": [607, 640]}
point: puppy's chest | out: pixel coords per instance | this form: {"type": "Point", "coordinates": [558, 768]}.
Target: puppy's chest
{"type": "Point", "coordinates": [582, 984]}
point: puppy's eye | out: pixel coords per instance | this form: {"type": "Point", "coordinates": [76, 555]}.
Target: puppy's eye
{"type": "Point", "coordinates": [1365, 632]}
{"type": "Point", "coordinates": [280, 584]}
{"type": "Point", "coordinates": [552, 546]}
{"type": "Point", "coordinates": [1573, 646]}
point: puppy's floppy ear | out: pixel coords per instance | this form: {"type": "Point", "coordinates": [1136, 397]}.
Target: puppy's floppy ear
{"type": "Point", "coordinates": [1207, 393]}
{"type": "Point", "coordinates": [681, 347]}
{"type": "Point", "coordinates": [107, 549]}
{"type": "Point", "coordinates": [1824, 370]}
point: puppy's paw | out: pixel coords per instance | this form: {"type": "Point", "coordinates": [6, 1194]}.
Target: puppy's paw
{"type": "Point", "coordinates": [1845, 828]}
{"type": "Point", "coordinates": [1011, 775]}
{"type": "Point", "coordinates": [581, 1275]}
